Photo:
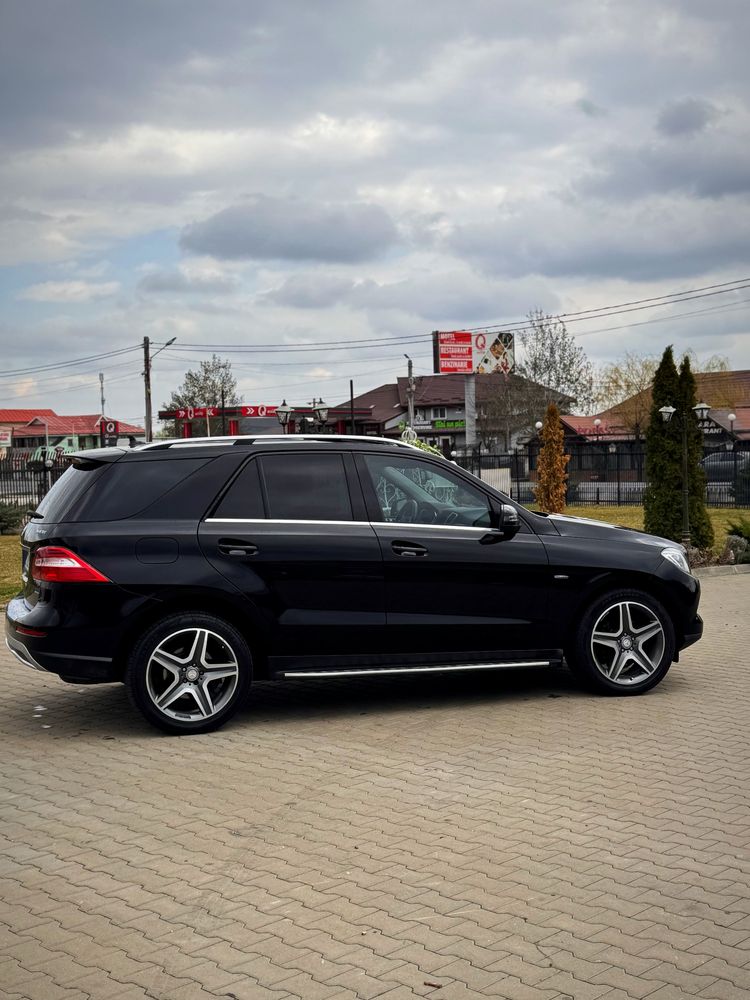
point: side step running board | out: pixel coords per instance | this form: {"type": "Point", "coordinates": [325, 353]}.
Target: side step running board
{"type": "Point", "coordinates": [441, 668]}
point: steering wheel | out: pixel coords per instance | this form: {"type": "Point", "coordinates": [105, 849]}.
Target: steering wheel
{"type": "Point", "coordinates": [407, 512]}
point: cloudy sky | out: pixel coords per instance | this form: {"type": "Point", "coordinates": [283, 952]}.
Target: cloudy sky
{"type": "Point", "coordinates": [287, 173]}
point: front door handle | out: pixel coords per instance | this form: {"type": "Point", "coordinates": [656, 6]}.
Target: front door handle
{"type": "Point", "coordinates": [409, 549]}
{"type": "Point", "coordinates": [236, 548]}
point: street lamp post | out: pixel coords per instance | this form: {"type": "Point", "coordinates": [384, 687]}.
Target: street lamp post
{"type": "Point", "coordinates": [667, 413]}
{"type": "Point", "coordinates": [283, 413]}
{"type": "Point", "coordinates": [613, 450]}
{"type": "Point", "coordinates": [731, 447]}
{"type": "Point", "coordinates": [320, 412]}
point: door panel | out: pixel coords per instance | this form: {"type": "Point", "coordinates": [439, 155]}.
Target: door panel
{"type": "Point", "coordinates": [454, 584]}
{"type": "Point", "coordinates": [318, 585]}
{"type": "Point", "coordinates": [312, 570]}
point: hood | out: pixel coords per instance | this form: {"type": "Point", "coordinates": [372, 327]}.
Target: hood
{"type": "Point", "coordinates": [583, 527]}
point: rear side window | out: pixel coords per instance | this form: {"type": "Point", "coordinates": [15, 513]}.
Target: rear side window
{"type": "Point", "coordinates": [128, 487]}
{"type": "Point", "coordinates": [68, 490]}
{"type": "Point", "coordinates": [244, 498]}
{"type": "Point", "coordinates": [306, 487]}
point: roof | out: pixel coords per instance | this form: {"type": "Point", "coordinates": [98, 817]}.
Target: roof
{"type": "Point", "coordinates": [87, 423]}
{"type": "Point", "coordinates": [741, 423]}
{"type": "Point", "coordinates": [725, 393]}
{"type": "Point", "coordinates": [389, 400]}
{"type": "Point", "coordinates": [23, 416]}
{"type": "Point", "coordinates": [384, 403]}
{"type": "Point", "coordinates": [721, 390]}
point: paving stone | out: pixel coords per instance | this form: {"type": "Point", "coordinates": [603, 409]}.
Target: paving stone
{"type": "Point", "coordinates": [365, 838]}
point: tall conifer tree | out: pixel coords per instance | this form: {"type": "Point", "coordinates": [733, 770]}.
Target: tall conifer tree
{"type": "Point", "coordinates": [662, 513]}
{"type": "Point", "coordinates": [663, 502]}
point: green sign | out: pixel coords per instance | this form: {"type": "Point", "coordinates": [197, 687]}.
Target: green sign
{"type": "Point", "coordinates": [448, 425]}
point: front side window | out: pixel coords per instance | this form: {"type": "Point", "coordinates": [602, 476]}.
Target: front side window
{"type": "Point", "coordinates": [415, 492]}
{"type": "Point", "coordinates": [306, 487]}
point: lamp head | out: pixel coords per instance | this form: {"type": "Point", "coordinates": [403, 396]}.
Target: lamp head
{"type": "Point", "coordinates": [283, 413]}
{"type": "Point", "coordinates": [701, 410]}
{"type": "Point", "coordinates": [667, 412]}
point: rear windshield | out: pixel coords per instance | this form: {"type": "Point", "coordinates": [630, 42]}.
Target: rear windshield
{"type": "Point", "coordinates": [68, 489]}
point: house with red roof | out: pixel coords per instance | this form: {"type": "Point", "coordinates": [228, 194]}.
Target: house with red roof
{"type": "Point", "coordinates": [30, 429]}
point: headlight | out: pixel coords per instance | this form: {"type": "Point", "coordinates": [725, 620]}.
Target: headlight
{"type": "Point", "coordinates": [678, 557]}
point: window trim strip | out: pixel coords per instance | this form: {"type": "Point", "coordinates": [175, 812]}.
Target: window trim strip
{"type": "Point", "coordinates": [370, 524]}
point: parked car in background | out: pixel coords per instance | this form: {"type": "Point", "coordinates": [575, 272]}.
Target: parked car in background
{"type": "Point", "coordinates": [188, 569]}
{"type": "Point", "coordinates": [723, 466]}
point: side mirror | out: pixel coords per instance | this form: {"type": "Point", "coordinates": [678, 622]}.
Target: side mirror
{"type": "Point", "coordinates": [505, 520]}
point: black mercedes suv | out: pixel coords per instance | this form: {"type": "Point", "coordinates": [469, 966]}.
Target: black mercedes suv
{"type": "Point", "coordinates": [188, 568]}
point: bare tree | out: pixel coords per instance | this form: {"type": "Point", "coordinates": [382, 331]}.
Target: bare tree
{"type": "Point", "coordinates": [509, 406]}
{"type": "Point", "coordinates": [552, 358]}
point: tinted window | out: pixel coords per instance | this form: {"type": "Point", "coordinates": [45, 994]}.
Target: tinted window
{"type": "Point", "coordinates": [306, 487]}
{"type": "Point", "coordinates": [244, 498]}
{"type": "Point", "coordinates": [417, 492]}
{"type": "Point", "coordinates": [130, 485]}
{"type": "Point", "coordinates": [68, 489]}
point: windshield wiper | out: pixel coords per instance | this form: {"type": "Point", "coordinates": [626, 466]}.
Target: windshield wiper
{"type": "Point", "coordinates": [34, 513]}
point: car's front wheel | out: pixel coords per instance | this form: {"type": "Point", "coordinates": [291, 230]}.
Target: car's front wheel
{"type": "Point", "coordinates": [624, 644]}
{"type": "Point", "coordinates": [189, 673]}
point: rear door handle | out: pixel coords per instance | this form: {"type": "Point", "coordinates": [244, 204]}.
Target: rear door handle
{"type": "Point", "coordinates": [409, 549]}
{"type": "Point", "coordinates": [237, 548]}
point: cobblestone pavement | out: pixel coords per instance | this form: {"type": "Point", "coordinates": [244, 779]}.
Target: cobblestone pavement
{"type": "Point", "coordinates": [504, 836]}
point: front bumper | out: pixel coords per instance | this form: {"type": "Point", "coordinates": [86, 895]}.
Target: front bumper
{"type": "Point", "coordinates": [693, 633]}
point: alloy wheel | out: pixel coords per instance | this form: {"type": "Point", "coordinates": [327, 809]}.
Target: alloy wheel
{"type": "Point", "coordinates": [627, 643]}
{"type": "Point", "coordinates": [192, 675]}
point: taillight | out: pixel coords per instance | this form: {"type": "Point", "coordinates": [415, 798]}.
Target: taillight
{"type": "Point", "coordinates": [54, 564]}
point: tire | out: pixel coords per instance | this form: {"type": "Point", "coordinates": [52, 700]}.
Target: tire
{"type": "Point", "coordinates": [624, 644]}
{"type": "Point", "coordinates": [189, 673]}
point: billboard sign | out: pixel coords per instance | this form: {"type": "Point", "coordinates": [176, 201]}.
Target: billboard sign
{"type": "Point", "coordinates": [464, 352]}
{"type": "Point", "coordinates": [6, 437]}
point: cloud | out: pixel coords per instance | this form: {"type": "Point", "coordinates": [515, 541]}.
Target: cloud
{"type": "Point", "coordinates": [70, 291]}
{"type": "Point", "coordinates": [686, 117]}
{"type": "Point", "coordinates": [654, 240]}
{"type": "Point", "coordinates": [165, 281]}
{"type": "Point", "coordinates": [286, 229]}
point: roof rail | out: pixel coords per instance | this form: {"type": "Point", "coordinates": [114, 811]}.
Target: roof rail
{"type": "Point", "coordinates": [209, 442]}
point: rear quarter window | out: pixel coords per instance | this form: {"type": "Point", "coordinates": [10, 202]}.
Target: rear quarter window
{"type": "Point", "coordinates": [68, 491]}
{"type": "Point", "coordinates": [129, 487]}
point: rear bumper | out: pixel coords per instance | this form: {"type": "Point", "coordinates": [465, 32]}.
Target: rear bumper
{"type": "Point", "coordinates": [63, 651]}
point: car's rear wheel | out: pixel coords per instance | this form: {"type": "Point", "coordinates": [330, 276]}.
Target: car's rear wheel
{"type": "Point", "coordinates": [624, 644]}
{"type": "Point", "coordinates": [189, 673]}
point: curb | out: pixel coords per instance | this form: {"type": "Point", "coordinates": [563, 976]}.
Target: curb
{"type": "Point", "coordinates": [721, 570]}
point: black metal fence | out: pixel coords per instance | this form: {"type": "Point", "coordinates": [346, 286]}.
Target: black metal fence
{"type": "Point", "coordinates": [24, 480]}
{"type": "Point", "coordinates": [612, 475]}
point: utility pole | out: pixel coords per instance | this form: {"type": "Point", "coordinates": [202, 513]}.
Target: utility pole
{"type": "Point", "coordinates": [410, 390]}
{"type": "Point", "coordinates": [147, 385]}
{"type": "Point", "coordinates": [101, 389]}
{"type": "Point", "coordinates": [147, 359]}
{"type": "Point", "coordinates": [351, 408]}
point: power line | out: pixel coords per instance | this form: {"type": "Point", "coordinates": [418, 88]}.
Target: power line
{"type": "Point", "coordinates": [66, 364]}
{"type": "Point", "coordinates": [672, 298]}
